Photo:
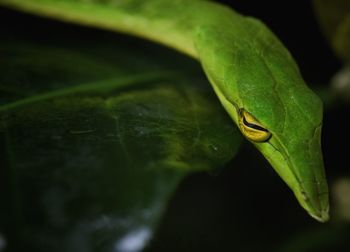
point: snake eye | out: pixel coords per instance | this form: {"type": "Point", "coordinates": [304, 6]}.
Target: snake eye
{"type": "Point", "coordinates": [251, 128]}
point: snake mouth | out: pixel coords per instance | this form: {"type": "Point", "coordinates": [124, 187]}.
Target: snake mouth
{"type": "Point", "coordinates": [315, 202]}
{"type": "Point", "coordinates": [304, 176]}
{"type": "Point", "coordinates": [323, 216]}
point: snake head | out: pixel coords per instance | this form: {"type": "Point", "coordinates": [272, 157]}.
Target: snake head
{"type": "Point", "coordinates": [296, 157]}
{"type": "Point", "coordinates": [261, 87]}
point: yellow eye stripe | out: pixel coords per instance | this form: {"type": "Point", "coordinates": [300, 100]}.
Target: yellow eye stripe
{"type": "Point", "coordinates": [251, 128]}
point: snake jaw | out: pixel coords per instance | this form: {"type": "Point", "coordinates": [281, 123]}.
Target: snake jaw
{"type": "Point", "coordinates": [304, 177]}
{"type": "Point", "coordinates": [323, 217]}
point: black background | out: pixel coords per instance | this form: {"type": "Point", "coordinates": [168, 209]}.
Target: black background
{"type": "Point", "coordinates": [246, 207]}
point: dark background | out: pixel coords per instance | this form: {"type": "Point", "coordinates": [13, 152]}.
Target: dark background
{"type": "Point", "coordinates": [246, 207]}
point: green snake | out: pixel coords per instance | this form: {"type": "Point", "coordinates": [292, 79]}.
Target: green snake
{"type": "Point", "coordinates": [253, 74]}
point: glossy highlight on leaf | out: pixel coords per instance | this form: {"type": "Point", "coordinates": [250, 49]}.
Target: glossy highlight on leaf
{"type": "Point", "coordinates": [95, 138]}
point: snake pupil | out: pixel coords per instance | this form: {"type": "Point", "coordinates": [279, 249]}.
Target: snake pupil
{"type": "Point", "coordinates": [253, 126]}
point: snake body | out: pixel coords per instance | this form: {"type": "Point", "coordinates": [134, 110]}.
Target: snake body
{"type": "Point", "coordinates": [253, 74]}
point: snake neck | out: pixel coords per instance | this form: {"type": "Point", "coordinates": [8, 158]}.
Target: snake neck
{"type": "Point", "coordinates": [171, 23]}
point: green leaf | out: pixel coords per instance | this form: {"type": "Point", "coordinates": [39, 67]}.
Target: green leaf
{"type": "Point", "coordinates": [96, 132]}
